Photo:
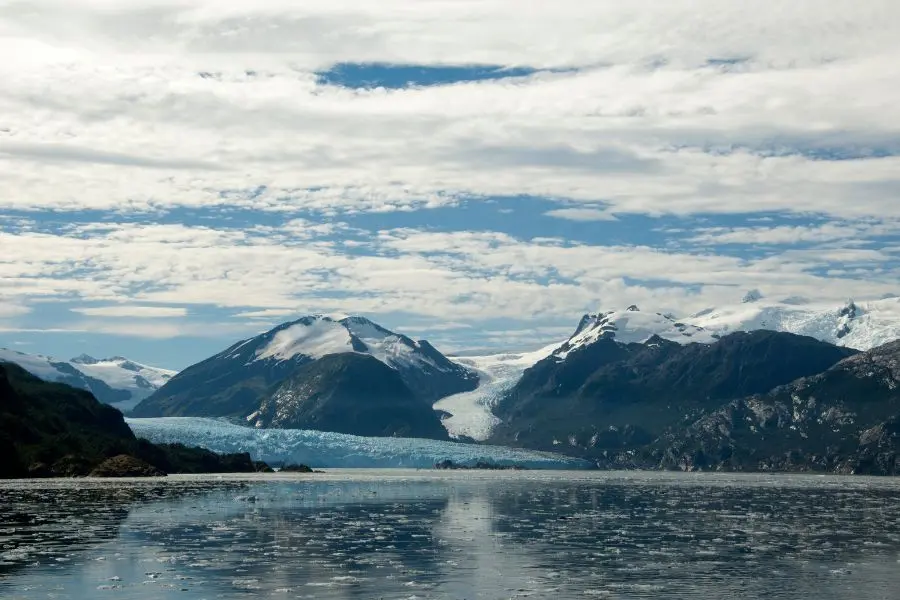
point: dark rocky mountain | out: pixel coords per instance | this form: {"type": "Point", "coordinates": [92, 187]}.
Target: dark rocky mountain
{"type": "Point", "coordinates": [349, 393]}
{"type": "Point", "coordinates": [758, 401]}
{"type": "Point", "coordinates": [52, 429]}
{"type": "Point", "coordinates": [846, 419]}
{"type": "Point", "coordinates": [235, 382]}
{"type": "Point", "coordinates": [608, 395]}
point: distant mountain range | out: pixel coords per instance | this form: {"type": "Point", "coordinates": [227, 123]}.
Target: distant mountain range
{"type": "Point", "coordinates": [348, 375]}
{"type": "Point", "coordinates": [628, 388]}
{"type": "Point", "coordinates": [860, 325]}
{"type": "Point", "coordinates": [117, 381]}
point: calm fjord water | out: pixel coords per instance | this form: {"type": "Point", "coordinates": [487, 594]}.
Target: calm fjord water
{"type": "Point", "coordinates": [407, 534]}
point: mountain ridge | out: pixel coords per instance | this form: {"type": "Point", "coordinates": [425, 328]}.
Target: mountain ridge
{"type": "Point", "coordinates": [117, 381]}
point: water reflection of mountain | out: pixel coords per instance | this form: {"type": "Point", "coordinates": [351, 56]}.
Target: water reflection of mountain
{"type": "Point", "coordinates": [292, 535]}
{"type": "Point", "coordinates": [465, 536]}
{"type": "Point", "coordinates": [50, 522]}
{"type": "Point", "coordinates": [687, 538]}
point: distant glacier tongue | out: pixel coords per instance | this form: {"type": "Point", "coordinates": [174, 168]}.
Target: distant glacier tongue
{"type": "Point", "coordinates": [323, 449]}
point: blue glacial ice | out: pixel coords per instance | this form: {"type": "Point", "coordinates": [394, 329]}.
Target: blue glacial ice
{"type": "Point", "coordinates": [335, 450]}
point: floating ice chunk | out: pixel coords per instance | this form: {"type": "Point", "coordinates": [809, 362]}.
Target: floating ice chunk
{"type": "Point", "coordinates": [324, 449]}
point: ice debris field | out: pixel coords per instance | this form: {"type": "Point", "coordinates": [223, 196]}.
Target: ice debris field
{"type": "Point", "coordinates": [324, 449]}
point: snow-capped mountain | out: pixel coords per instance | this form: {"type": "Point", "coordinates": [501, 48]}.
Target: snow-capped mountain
{"type": "Point", "coordinates": [117, 381]}
{"type": "Point", "coordinates": [233, 382]}
{"type": "Point", "coordinates": [631, 326]}
{"type": "Point", "coordinates": [859, 325]}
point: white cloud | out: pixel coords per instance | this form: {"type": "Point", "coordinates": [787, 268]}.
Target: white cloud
{"type": "Point", "coordinates": [268, 313]}
{"type": "Point", "coordinates": [10, 309]}
{"type": "Point", "coordinates": [581, 214]}
{"type": "Point", "coordinates": [141, 312]}
{"type": "Point", "coordinates": [795, 234]}
{"type": "Point", "coordinates": [107, 109]}
{"type": "Point", "coordinates": [676, 108]}
{"type": "Point", "coordinates": [463, 277]}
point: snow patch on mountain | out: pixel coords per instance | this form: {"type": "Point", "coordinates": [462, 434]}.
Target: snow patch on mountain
{"type": "Point", "coordinates": [316, 339]}
{"type": "Point", "coordinates": [117, 381]}
{"type": "Point", "coordinates": [470, 414]}
{"type": "Point", "coordinates": [320, 335]}
{"type": "Point", "coordinates": [860, 325]}
{"type": "Point", "coordinates": [632, 326]}
{"type": "Point", "coordinates": [323, 449]}
{"type": "Point", "coordinates": [120, 373]}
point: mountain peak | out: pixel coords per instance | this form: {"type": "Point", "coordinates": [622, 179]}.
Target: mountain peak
{"type": "Point", "coordinates": [752, 296]}
{"type": "Point", "coordinates": [632, 326]}
{"type": "Point", "coordinates": [232, 382]}
{"type": "Point", "coordinates": [85, 359]}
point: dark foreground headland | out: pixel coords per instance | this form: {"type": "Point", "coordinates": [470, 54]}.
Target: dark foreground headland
{"type": "Point", "coordinates": [54, 430]}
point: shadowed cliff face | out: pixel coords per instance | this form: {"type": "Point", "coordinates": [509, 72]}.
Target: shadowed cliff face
{"type": "Point", "coordinates": [846, 419]}
{"type": "Point", "coordinates": [349, 393]}
{"type": "Point", "coordinates": [52, 430]}
{"type": "Point", "coordinates": [761, 401]}
{"type": "Point", "coordinates": [626, 395]}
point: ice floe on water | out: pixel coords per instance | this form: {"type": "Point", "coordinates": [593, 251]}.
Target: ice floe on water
{"type": "Point", "coordinates": [324, 449]}
{"type": "Point", "coordinates": [540, 535]}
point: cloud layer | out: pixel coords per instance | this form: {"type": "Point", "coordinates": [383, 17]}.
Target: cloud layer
{"type": "Point", "coordinates": [157, 127]}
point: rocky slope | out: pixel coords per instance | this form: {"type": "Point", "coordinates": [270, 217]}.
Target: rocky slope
{"type": "Point", "coordinates": [237, 381]}
{"type": "Point", "coordinates": [348, 393]}
{"type": "Point", "coordinates": [607, 394]}
{"type": "Point", "coordinates": [116, 381]}
{"type": "Point", "coordinates": [52, 429]}
{"type": "Point", "coordinates": [846, 419]}
{"type": "Point", "coordinates": [756, 401]}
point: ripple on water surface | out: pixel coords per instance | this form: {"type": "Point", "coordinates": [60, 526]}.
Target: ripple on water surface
{"type": "Point", "coordinates": [396, 534]}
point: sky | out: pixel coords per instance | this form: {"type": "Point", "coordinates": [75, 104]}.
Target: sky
{"type": "Point", "coordinates": [176, 175]}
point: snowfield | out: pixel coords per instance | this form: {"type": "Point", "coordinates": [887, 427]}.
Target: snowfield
{"type": "Point", "coordinates": [119, 373]}
{"type": "Point", "coordinates": [320, 335]}
{"type": "Point", "coordinates": [632, 326]}
{"type": "Point", "coordinates": [323, 449]}
{"type": "Point", "coordinates": [859, 325]}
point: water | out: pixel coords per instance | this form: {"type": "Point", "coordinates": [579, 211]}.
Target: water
{"type": "Point", "coordinates": [425, 534]}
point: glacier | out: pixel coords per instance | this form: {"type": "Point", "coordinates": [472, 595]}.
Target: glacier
{"type": "Point", "coordinates": [470, 414]}
{"type": "Point", "coordinates": [335, 450]}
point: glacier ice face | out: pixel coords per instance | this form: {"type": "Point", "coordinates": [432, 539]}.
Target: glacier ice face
{"type": "Point", "coordinates": [324, 449]}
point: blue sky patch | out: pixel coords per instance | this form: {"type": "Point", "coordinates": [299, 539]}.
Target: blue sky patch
{"type": "Point", "coordinates": [399, 76]}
